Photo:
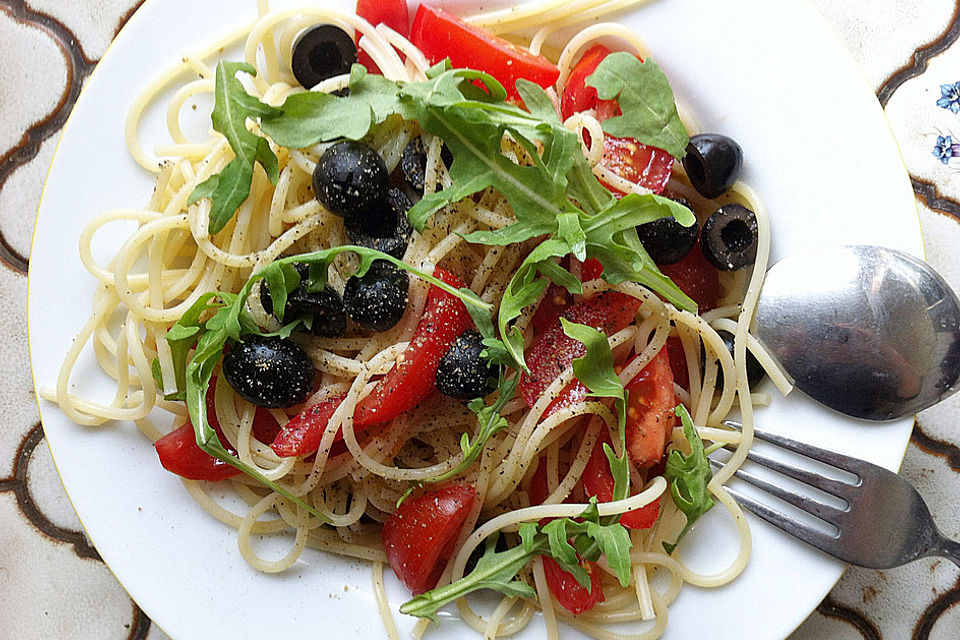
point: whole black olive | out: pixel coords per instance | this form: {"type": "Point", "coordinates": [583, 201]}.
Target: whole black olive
{"type": "Point", "coordinates": [323, 308]}
{"type": "Point", "coordinates": [712, 163]}
{"type": "Point", "coordinates": [729, 238]}
{"type": "Point", "coordinates": [463, 374]}
{"type": "Point", "coordinates": [755, 372]}
{"type": "Point", "coordinates": [269, 371]}
{"type": "Point", "coordinates": [322, 52]}
{"type": "Point", "coordinates": [349, 178]}
{"type": "Point", "coordinates": [383, 226]}
{"type": "Point", "coordinates": [378, 299]}
{"type": "Point", "coordinates": [413, 163]}
{"type": "Point", "coordinates": [666, 240]}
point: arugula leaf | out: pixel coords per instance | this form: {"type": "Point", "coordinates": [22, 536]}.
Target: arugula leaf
{"type": "Point", "coordinates": [307, 118]}
{"type": "Point", "coordinates": [646, 102]}
{"type": "Point", "coordinates": [689, 477]}
{"type": "Point", "coordinates": [233, 106]}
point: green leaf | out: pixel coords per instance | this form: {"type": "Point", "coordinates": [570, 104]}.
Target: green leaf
{"type": "Point", "coordinates": [614, 541]}
{"type": "Point", "coordinates": [233, 106]}
{"type": "Point", "coordinates": [649, 112]}
{"type": "Point", "coordinates": [307, 118]}
{"type": "Point", "coordinates": [689, 477]}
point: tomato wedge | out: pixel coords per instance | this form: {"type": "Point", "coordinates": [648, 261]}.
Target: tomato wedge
{"type": "Point", "coordinates": [180, 454]}
{"type": "Point", "coordinates": [554, 350]}
{"type": "Point", "coordinates": [440, 35]}
{"type": "Point", "coordinates": [630, 159]}
{"type": "Point", "coordinates": [598, 481]}
{"type": "Point", "coordinates": [303, 433]}
{"type": "Point", "coordinates": [696, 277]}
{"type": "Point", "coordinates": [570, 593]}
{"type": "Point", "coordinates": [392, 13]}
{"type": "Point", "coordinates": [420, 536]}
{"type": "Point", "coordinates": [650, 416]}
{"type": "Point", "coordinates": [413, 378]}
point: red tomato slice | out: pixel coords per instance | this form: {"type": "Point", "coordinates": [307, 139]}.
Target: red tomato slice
{"type": "Point", "coordinates": [553, 351]}
{"type": "Point", "coordinates": [303, 433]}
{"type": "Point", "coordinates": [632, 160]}
{"type": "Point", "coordinates": [650, 416]}
{"type": "Point", "coordinates": [557, 299]}
{"type": "Point", "coordinates": [440, 35]}
{"type": "Point", "coordinates": [678, 362]}
{"type": "Point", "coordinates": [420, 536]}
{"type": "Point", "coordinates": [392, 13]}
{"type": "Point", "coordinates": [598, 481]}
{"type": "Point", "coordinates": [696, 277]}
{"type": "Point", "coordinates": [180, 454]}
{"type": "Point", "coordinates": [414, 377]}
{"type": "Point", "coordinates": [568, 591]}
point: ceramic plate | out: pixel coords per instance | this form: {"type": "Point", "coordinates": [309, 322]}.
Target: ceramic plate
{"type": "Point", "coordinates": [770, 75]}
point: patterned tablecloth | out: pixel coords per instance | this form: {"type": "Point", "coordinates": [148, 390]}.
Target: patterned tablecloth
{"type": "Point", "coordinates": [52, 582]}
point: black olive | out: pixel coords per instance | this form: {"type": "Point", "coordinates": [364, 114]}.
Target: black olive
{"type": "Point", "coordinates": [384, 226]}
{"type": "Point", "coordinates": [712, 163]}
{"type": "Point", "coordinates": [413, 163]}
{"type": "Point", "coordinates": [666, 240]}
{"type": "Point", "coordinates": [324, 308]}
{"type": "Point", "coordinates": [378, 299]}
{"type": "Point", "coordinates": [349, 178]}
{"type": "Point", "coordinates": [322, 52]}
{"type": "Point", "coordinates": [462, 373]}
{"type": "Point", "coordinates": [729, 238]}
{"type": "Point", "coordinates": [755, 372]}
{"type": "Point", "coordinates": [269, 371]}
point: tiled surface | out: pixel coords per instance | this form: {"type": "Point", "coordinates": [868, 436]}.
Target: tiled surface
{"type": "Point", "coordinates": [52, 583]}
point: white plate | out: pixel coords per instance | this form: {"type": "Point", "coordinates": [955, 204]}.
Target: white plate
{"type": "Point", "coordinates": [818, 150]}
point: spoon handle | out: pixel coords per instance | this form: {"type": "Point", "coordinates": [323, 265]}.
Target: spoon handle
{"type": "Point", "coordinates": [947, 548]}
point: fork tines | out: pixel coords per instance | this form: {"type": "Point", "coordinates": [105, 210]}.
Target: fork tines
{"type": "Point", "coordinates": [827, 513]}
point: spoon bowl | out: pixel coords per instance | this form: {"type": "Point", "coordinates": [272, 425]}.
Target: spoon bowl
{"type": "Point", "coordinates": [868, 331]}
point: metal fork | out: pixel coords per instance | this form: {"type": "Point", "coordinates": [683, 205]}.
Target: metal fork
{"type": "Point", "coordinates": [884, 524]}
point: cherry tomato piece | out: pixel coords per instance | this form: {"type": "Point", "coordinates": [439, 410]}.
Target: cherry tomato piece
{"type": "Point", "coordinates": [420, 536]}
{"type": "Point", "coordinates": [696, 277]}
{"type": "Point", "coordinates": [570, 593]}
{"type": "Point", "coordinates": [440, 35]}
{"type": "Point", "coordinates": [678, 362]}
{"type": "Point", "coordinates": [554, 350]}
{"type": "Point", "coordinates": [598, 481]}
{"type": "Point", "coordinates": [413, 378]}
{"type": "Point", "coordinates": [630, 159]}
{"type": "Point", "coordinates": [180, 454]}
{"type": "Point", "coordinates": [650, 416]}
{"type": "Point", "coordinates": [302, 434]}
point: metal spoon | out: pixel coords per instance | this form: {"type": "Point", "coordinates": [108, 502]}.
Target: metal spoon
{"type": "Point", "coordinates": [871, 332]}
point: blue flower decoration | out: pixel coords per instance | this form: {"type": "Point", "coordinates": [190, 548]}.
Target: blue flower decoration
{"type": "Point", "coordinates": [945, 149]}
{"type": "Point", "coordinates": [950, 97]}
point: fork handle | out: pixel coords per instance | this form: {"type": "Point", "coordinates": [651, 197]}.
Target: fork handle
{"type": "Point", "coordinates": [947, 548]}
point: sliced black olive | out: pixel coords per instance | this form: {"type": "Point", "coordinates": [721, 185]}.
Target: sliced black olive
{"type": "Point", "coordinates": [324, 308]}
{"type": "Point", "coordinates": [384, 226]}
{"type": "Point", "coordinates": [666, 240]}
{"type": "Point", "coordinates": [462, 373]}
{"type": "Point", "coordinates": [712, 163]}
{"type": "Point", "coordinates": [413, 163]}
{"type": "Point", "coordinates": [755, 372]}
{"type": "Point", "coordinates": [269, 371]}
{"type": "Point", "coordinates": [378, 299]}
{"type": "Point", "coordinates": [349, 178]}
{"type": "Point", "coordinates": [729, 238]}
{"type": "Point", "coordinates": [322, 52]}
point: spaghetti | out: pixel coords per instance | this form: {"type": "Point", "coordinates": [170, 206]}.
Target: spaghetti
{"type": "Point", "coordinates": [172, 260]}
